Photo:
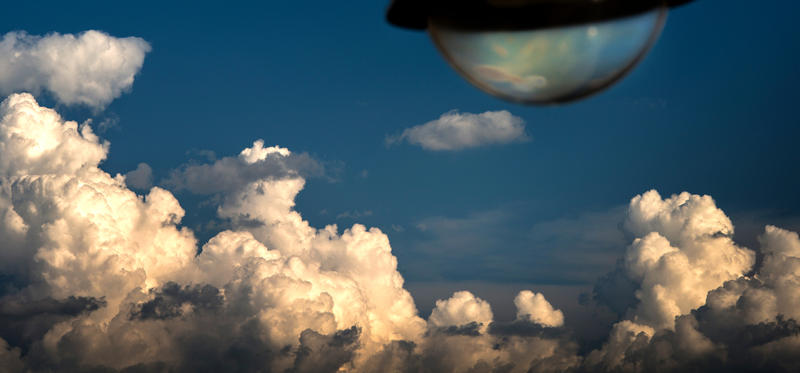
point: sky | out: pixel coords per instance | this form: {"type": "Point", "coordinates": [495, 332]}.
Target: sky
{"type": "Point", "coordinates": [559, 201]}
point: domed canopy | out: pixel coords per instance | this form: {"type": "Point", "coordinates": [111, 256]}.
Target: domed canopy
{"type": "Point", "coordinates": [515, 14]}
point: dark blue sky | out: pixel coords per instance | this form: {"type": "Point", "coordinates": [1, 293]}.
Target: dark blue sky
{"type": "Point", "coordinates": [711, 110]}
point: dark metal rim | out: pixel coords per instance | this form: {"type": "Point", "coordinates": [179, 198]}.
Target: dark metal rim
{"type": "Point", "coordinates": [524, 15]}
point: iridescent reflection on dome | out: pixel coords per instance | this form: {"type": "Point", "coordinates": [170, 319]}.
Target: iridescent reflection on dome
{"type": "Point", "coordinates": [549, 65]}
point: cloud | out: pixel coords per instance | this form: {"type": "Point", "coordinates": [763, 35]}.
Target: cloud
{"type": "Point", "coordinates": [105, 279]}
{"type": "Point", "coordinates": [91, 68]}
{"type": "Point", "coordinates": [77, 231]}
{"type": "Point", "coordinates": [10, 358]}
{"type": "Point", "coordinates": [271, 293]}
{"type": "Point", "coordinates": [457, 131]}
{"type": "Point", "coordinates": [140, 178]}
{"type": "Point", "coordinates": [354, 214]}
{"type": "Point", "coordinates": [171, 301]}
{"type": "Point", "coordinates": [702, 302]}
{"type": "Point", "coordinates": [461, 309]}
{"type": "Point", "coordinates": [232, 173]}
{"type": "Point", "coordinates": [24, 320]}
{"type": "Point", "coordinates": [684, 249]}
{"type": "Point", "coordinates": [535, 308]}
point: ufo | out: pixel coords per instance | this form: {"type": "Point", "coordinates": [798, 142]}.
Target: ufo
{"type": "Point", "coordinates": [538, 52]}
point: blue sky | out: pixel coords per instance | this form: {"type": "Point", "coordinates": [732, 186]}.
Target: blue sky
{"type": "Point", "coordinates": [710, 110]}
{"type": "Point", "coordinates": [512, 238]}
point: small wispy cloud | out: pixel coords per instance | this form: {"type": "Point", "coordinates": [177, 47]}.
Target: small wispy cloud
{"type": "Point", "coordinates": [354, 214]}
{"type": "Point", "coordinates": [457, 131]}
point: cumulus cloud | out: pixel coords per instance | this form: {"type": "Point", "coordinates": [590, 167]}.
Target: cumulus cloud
{"type": "Point", "coordinates": [79, 232]}
{"type": "Point", "coordinates": [535, 308]}
{"type": "Point", "coordinates": [91, 68]}
{"type": "Point", "coordinates": [105, 279]}
{"type": "Point", "coordinates": [684, 249]}
{"type": "Point", "coordinates": [702, 302]}
{"type": "Point", "coordinates": [456, 131]}
{"type": "Point", "coordinates": [461, 309]}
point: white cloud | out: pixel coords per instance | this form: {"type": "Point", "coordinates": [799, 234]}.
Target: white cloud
{"type": "Point", "coordinates": [746, 324]}
{"type": "Point", "coordinates": [107, 279]}
{"type": "Point", "coordinates": [683, 249]}
{"type": "Point", "coordinates": [461, 309]}
{"type": "Point", "coordinates": [35, 141]}
{"type": "Point", "coordinates": [456, 131]}
{"type": "Point", "coordinates": [91, 68]}
{"type": "Point", "coordinates": [535, 308]}
{"type": "Point", "coordinates": [79, 232]}
{"type": "Point", "coordinates": [701, 303]}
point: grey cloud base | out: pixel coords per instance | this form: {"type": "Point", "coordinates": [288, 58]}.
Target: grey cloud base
{"type": "Point", "coordinates": [99, 278]}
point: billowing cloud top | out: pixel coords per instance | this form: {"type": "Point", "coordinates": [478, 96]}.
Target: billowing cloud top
{"type": "Point", "coordinates": [456, 131]}
{"type": "Point", "coordinates": [35, 141]}
{"type": "Point", "coordinates": [462, 308]}
{"type": "Point", "coordinates": [96, 277]}
{"type": "Point", "coordinates": [91, 68]}
{"type": "Point", "coordinates": [99, 278]}
{"type": "Point", "coordinates": [535, 308]}
{"type": "Point", "coordinates": [105, 278]}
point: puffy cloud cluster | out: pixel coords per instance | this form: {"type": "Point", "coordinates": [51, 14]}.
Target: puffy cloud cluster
{"type": "Point", "coordinates": [80, 232]}
{"type": "Point", "coordinates": [91, 68]}
{"type": "Point", "coordinates": [461, 309]}
{"type": "Point", "coordinates": [99, 277]}
{"type": "Point", "coordinates": [683, 249]}
{"type": "Point", "coordinates": [95, 277]}
{"type": "Point", "coordinates": [462, 337]}
{"type": "Point", "coordinates": [701, 302]}
{"type": "Point", "coordinates": [456, 131]}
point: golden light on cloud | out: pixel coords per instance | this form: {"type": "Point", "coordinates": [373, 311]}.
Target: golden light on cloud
{"type": "Point", "coordinates": [100, 277]}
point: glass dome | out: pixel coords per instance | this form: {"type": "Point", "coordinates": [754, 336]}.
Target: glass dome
{"type": "Point", "coordinates": [550, 65]}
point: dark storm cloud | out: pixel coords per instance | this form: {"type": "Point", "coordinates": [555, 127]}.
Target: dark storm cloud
{"type": "Point", "coordinates": [738, 347]}
{"type": "Point", "coordinates": [323, 353]}
{"type": "Point", "coordinates": [169, 300]}
{"type": "Point", "coordinates": [398, 356]}
{"type": "Point", "coordinates": [24, 320]}
{"type": "Point", "coordinates": [524, 328]}
{"type": "Point", "coordinates": [472, 329]}
{"type": "Point", "coordinates": [614, 290]}
{"type": "Point", "coordinates": [19, 307]}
